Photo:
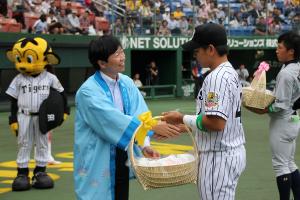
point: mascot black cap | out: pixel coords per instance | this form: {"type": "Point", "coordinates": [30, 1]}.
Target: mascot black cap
{"type": "Point", "coordinates": [51, 113]}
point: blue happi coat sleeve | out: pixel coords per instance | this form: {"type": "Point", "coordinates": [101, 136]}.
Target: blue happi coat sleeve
{"type": "Point", "coordinates": [106, 121]}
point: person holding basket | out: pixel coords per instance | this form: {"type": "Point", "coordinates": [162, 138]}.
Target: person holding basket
{"type": "Point", "coordinates": [108, 110]}
{"type": "Point", "coordinates": [285, 123]}
{"type": "Point", "coordinates": [218, 126]}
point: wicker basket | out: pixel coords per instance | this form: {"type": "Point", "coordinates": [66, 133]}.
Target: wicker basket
{"type": "Point", "coordinates": [257, 98]}
{"type": "Point", "coordinates": [165, 176]}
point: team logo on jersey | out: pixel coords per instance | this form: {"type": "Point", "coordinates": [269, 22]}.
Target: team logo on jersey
{"type": "Point", "coordinates": [212, 100]}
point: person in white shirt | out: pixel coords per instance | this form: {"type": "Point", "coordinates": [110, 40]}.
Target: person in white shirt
{"type": "Point", "coordinates": [243, 75]}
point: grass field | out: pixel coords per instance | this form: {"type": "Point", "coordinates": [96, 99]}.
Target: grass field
{"type": "Point", "coordinates": [256, 183]}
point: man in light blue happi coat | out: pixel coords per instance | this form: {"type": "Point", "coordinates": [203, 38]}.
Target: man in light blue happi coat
{"type": "Point", "coordinates": [107, 106]}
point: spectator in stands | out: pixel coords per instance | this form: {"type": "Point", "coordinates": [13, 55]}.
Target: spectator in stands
{"type": "Point", "coordinates": [243, 75]}
{"type": "Point", "coordinates": [41, 26]}
{"type": "Point", "coordinates": [271, 5]}
{"type": "Point", "coordinates": [18, 12]}
{"type": "Point", "coordinates": [133, 5]}
{"type": "Point", "coordinates": [254, 13]}
{"type": "Point", "coordinates": [138, 83]}
{"type": "Point", "coordinates": [220, 14]}
{"type": "Point", "coordinates": [146, 14]}
{"type": "Point", "coordinates": [296, 23]}
{"type": "Point", "coordinates": [45, 7]}
{"type": "Point", "coordinates": [191, 29]}
{"type": "Point", "coordinates": [117, 28]}
{"type": "Point", "coordinates": [53, 7]}
{"type": "Point", "coordinates": [68, 8]}
{"type": "Point", "coordinates": [130, 26]}
{"type": "Point", "coordinates": [163, 29]}
{"type": "Point", "coordinates": [178, 13]}
{"type": "Point", "coordinates": [202, 11]}
{"type": "Point", "coordinates": [167, 15]}
{"type": "Point", "coordinates": [85, 22]}
{"type": "Point", "coordinates": [261, 27]}
{"type": "Point", "coordinates": [173, 25]}
{"type": "Point", "coordinates": [64, 20]}
{"type": "Point", "coordinates": [157, 4]}
{"type": "Point", "coordinates": [186, 3]}
{"type": "Point", "coordinates": [183, 25]}
{"type": "Point", "coordinates": [75, 24]}
{"type": "Point", "coordinates": [54, 27]}
{"type": "Point", "coordinates": [275, 27]}
{"type": "Point", "coordinates": [236, 20]}
{"type": "Point", "coordinates": [3, 8]}
{"type": "Point", "coordinates": [94, 9]}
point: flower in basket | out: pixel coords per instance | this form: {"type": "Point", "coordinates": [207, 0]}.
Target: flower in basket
{"type": "Point", "coordinates": [257, 96]}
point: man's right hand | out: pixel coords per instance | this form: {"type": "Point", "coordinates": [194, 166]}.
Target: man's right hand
{"type": "Point", "coordinates": [14, 128]}
{"type": "Point", "coordinates": [164, 131]}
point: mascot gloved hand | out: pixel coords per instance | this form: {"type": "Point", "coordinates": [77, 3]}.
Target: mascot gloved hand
{"type": "Point", "coordinates": [14, 126]}
{"type": "Point", "coordinates": [28, 91]}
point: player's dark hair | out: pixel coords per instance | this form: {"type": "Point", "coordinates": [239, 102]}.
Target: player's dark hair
{"type": "Point", "coordinates": [221, 49]}
{"type": "Point", "coordinates": [101, 48]}
{"type": "Point", "coordinates": [291, 40]}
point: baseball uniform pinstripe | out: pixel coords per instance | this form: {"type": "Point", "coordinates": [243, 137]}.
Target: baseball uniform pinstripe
{"type": "Point", "coordinates": [222, 154]}
{"type": "Point", "coordinates": [30, 93]}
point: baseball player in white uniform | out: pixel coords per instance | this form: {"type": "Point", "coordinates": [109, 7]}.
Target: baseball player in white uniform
{"type": "Point", "coordinates": [219, 131]}
{"type": "Point", "coordinates": [27, 91]}
{"type": "Point", "coordinates": [285, 123]}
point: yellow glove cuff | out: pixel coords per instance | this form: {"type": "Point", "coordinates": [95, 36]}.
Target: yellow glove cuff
{"type": "Point", "coordinates": [65, 116]}
{"type": "Point", "coordinates": [14, 127]}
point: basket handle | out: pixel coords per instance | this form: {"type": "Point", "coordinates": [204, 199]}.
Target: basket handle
{"type": "Point", "coordinates": [131, 152]}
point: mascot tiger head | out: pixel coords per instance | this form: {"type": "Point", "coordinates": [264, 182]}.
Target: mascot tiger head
{"type": "Point", "coordinates": [32, 55]}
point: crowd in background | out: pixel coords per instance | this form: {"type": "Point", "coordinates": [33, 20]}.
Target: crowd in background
{"type": "Point", "coordinates": [153, 17]}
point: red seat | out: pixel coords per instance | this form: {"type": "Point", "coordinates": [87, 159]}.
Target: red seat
{"type": "Point", "coordinates": [30, 19]}
{"type": "Point", "coordinates": [4, 27]}
{"type": "Point", "coordinates": [101, 24]}
{"type": "Point", "coordinates": [15, 27]}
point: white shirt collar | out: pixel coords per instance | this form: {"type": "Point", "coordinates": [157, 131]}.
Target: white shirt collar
{"type": "Point", "coordinates": [108, 79]}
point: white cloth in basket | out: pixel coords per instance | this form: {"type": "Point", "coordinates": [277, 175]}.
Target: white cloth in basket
{"type": "Point", "coordinates": [170, 160]}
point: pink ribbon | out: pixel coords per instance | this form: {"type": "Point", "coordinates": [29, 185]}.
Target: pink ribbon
{"type": "Point", "coordinates": [263, 67]}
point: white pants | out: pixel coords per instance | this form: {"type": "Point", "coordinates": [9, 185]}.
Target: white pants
{"type": "Point", "coordinates": [219, 173]}
{"type": "Point", "coordinates": [283, 135]}
{"type": "Point", "coordinates": [28, 135]}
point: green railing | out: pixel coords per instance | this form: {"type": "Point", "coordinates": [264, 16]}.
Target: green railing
{"type": "Point", "coordinates": [158, 91]}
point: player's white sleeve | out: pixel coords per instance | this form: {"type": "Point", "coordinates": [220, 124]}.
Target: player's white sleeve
{"type": "Point", "coordinates": [55, 83]}
{"type": "Point", "coordinates": [190, 121]}
{"type": "Point", "coordinates": [13, 90]}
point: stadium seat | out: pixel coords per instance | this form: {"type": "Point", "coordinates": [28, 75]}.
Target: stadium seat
{"type": "Point", "coordinates": [15, 27]}
{"type": "Point", "coordinates": [57, 3]}
{"type": "Point", "coordinates": [30, 19]}
{"type": "Point", "coordinates": [101, 24]}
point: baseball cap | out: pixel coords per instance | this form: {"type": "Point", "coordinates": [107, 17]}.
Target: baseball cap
{"type": "Point", "coordinates": [207, 34]}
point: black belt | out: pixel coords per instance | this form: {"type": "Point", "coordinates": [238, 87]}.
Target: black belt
{"type": "Point", "coordinates": [29, 113]}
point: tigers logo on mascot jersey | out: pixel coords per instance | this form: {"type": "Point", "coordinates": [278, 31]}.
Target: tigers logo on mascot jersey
{"type": "Point", "coordinates": [32, 55]}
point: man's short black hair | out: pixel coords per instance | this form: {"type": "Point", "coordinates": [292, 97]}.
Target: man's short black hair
{"type": "Point", "coordinates": [221, 49]}
{"type": "Point", "coordinates": [291, 40]}
{"type": "Point", "coordinates": [101, 48]}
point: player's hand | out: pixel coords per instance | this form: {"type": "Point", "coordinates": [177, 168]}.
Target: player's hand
{"type": "Point", "coordinates": [172, 117]}
{"type": "Point", "coordinates": [14, 128]}
{"type": "Point", "coordinates": [165, 130]}
{"type": "Point", "coordinates": [149, 152]}
{"type": "Point", "coordinates": [183, 128]}
{"type": "Point", "coordinates": [65, 116]}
